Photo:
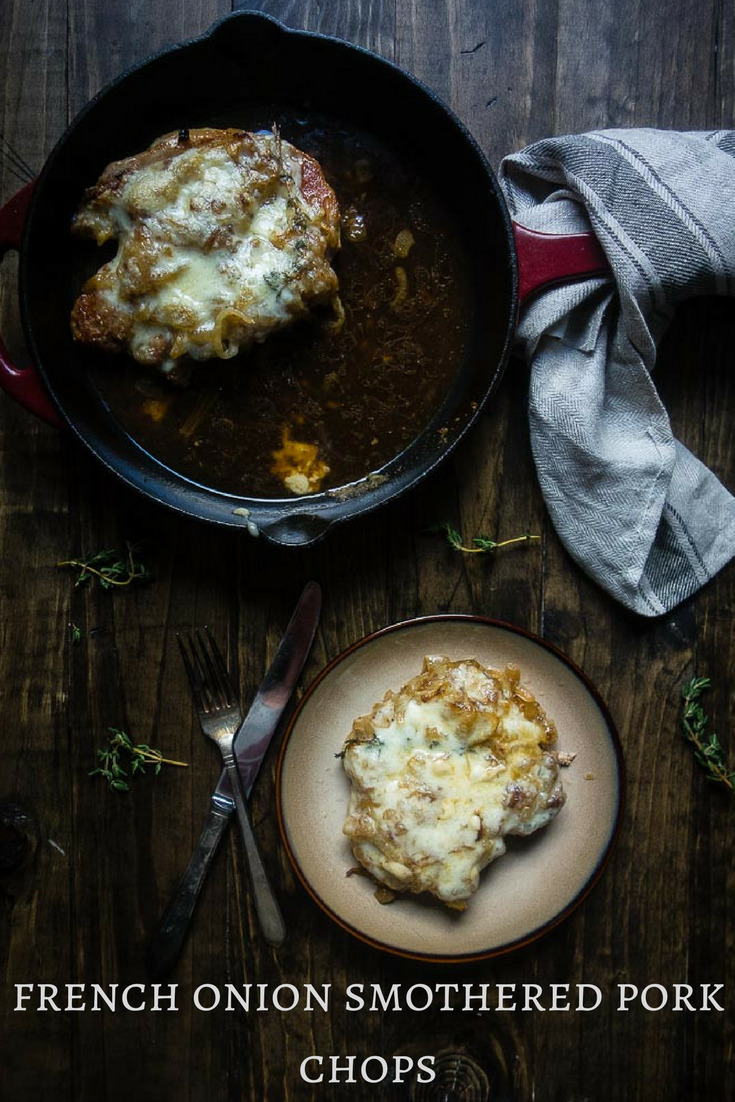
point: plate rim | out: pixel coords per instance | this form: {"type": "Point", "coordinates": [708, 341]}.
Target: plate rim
{"type": "Point", "coordinates": [605, 855]}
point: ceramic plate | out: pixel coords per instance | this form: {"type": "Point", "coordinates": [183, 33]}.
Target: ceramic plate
{"type": "Point", "coordinates": [537, 882]}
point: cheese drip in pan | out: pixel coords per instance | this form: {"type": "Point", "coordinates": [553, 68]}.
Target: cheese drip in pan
{"type": "Point", "coordinates": [223, 237]}
{"type": "Point", "coordinates": [441, 771]}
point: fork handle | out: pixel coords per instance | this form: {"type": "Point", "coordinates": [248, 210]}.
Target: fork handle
{"type": "Point", "coordinates": [166, 946]}
{"type": "Point", "coordinates": [266, 904]}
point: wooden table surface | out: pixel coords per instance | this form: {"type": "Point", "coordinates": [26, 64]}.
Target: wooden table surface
{"type": "Point", "coordinates": [99, 867]}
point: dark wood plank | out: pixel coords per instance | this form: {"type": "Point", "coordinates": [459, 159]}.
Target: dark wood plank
{"type": "Point", "coordinates": [35, 774]}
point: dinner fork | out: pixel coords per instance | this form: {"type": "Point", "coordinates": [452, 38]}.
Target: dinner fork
{"type": "Point", "coordinates": [219, 718]}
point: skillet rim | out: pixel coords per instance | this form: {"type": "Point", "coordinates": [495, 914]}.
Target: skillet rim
{"type": "Point", "coordinates": [289, 521]}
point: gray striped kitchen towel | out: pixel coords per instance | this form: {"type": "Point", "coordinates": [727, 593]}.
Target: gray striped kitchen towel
{"type": "Point", "coordinates": [636, 510]}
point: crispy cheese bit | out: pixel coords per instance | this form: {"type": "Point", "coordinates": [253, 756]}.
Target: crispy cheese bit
{"type": "Point", "coordinates": [155, 408]}
{"type": "Point", "coordinates": [353, 225]}
{"type": "Point", "coordinates": [298, 465]}
{"type": "Point", "coordinates": [403, 244]}
{"type": "Point", "coordinates": [442, 771]}
{"type": "Point", "coordinates": [401, 291]}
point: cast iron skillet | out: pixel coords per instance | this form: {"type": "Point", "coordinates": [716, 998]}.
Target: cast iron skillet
{"type": "Point", "coordinates": [242, 72]}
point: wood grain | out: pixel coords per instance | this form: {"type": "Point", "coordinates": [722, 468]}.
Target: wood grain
{"type": "Point", "coordinates": [100, 868]}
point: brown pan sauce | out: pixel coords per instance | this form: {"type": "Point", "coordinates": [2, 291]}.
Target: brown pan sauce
{"type": "Point", "coordinates": [353, 397]}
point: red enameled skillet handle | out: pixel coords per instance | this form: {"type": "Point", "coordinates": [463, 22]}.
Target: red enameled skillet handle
{"type": "Point", "coordinates": [23, 384]}
{"type": "Point", "coordinates": [546, 258]}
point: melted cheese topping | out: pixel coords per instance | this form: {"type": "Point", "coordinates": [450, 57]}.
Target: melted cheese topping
{"type": "Point", "coordinates": [223, 237]}
{"type": "Point", "coordinates": [298, 465]}
{"type": "Point", "coordinates": [441, 771]}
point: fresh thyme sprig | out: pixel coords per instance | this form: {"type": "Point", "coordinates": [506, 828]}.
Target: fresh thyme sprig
{"type": "Point", "coordinates": [121, 748]}
{"type": "Point", "coordinates": [708, 751]}
{"type": "Point", "coordinates": [480, 544]}
{"type": "Point", "coordinates": [111, 567]}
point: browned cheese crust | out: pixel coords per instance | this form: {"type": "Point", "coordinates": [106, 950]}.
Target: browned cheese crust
{"type": "Point", "coordinates": [441, 771]}
{"type": "Point", "coordinates": [223, 237]}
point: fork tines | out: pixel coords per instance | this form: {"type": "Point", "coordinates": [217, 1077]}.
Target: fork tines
{"type": "Point", "coordinates": [206, 670]}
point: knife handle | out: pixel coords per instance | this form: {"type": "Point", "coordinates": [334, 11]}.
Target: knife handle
{"type": "Point", "coordinates": [164, 950]}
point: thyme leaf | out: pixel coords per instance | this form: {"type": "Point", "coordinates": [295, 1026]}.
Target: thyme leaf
{"type": "Point", "coordinates": [708, 751]}
{"type": "Point", "coordinates": [480, 544]}
{"type": "Point", "coordinates": [111, 567]}
{"type": "Point", "coordinates": [375, 743]}
{"type": "Point", "coordinates": [275, 280]}
{"type": "Point", "coordinates": [121, 749]}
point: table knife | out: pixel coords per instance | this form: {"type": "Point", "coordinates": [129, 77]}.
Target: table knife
{"type": "Point", "coordinates": [251, 743]}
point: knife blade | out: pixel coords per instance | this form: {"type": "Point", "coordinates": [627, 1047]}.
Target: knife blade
{"type": "Point", "coordinates": [251, 742]}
